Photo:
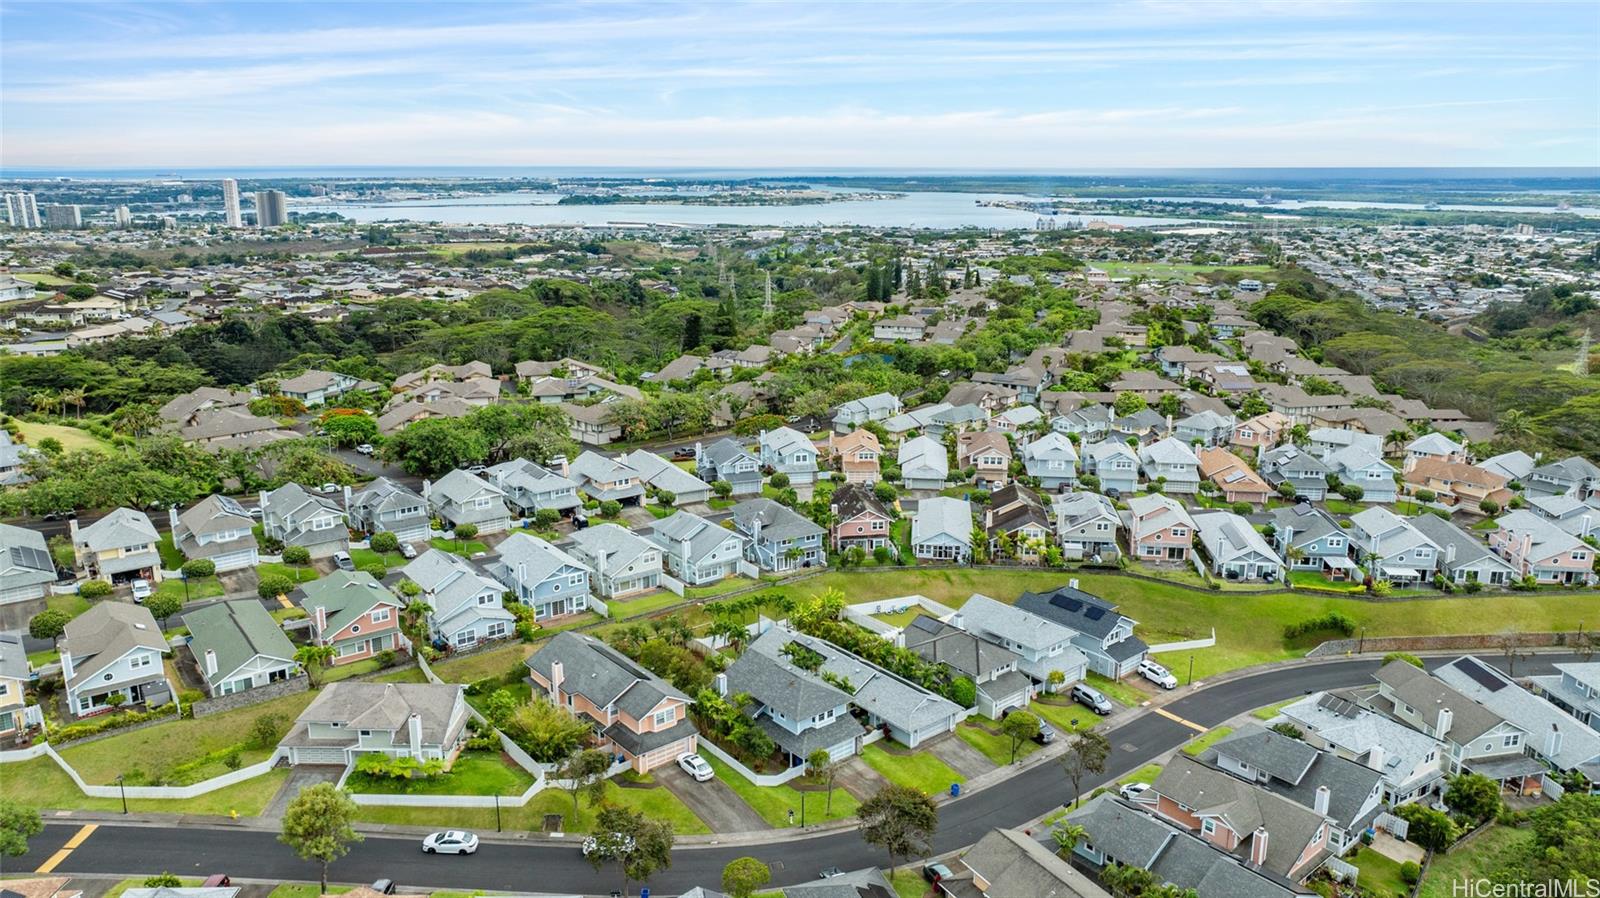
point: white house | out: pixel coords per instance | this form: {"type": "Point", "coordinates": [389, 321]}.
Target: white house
{"type": "Point", "coordinates": [113, 649]}
{"type": "Point", "coordinates": [941, 530]}
{"type": "Point", "coordinates": [1235, 550]}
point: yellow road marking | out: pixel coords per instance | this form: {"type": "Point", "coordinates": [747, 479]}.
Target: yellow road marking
{"type": "Point", "coordinates": [284, 601]}
{"type": "Point", "coordinates": [77, 839]}
{"type": "Point", "coordinates": [1188, 723]}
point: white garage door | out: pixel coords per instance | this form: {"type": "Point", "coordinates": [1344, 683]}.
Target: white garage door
{"type": "Point", "coordinates": [319, 756]}
{"type": "Point", "coordinates": [232, 561]}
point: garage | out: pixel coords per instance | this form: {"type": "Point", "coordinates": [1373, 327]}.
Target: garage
{"type": "Point", "coordinates": [232, 561]}
{"type": "Point", "coordinates": [300, 755]}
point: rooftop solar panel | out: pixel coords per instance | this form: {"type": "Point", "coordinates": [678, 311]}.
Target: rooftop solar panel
{"type": "Point", "coordinates": [1337, 705]}
{"type": "Point", "coordinates": [32, 558]}
{"type": "Point", "coordinates": [1480, 674]}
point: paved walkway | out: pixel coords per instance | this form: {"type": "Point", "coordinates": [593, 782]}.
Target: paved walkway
{"type": "Point", "coordinates": [960, 755]}
{"type": "Point", "coordinates": [712, 801]}
{"type": "Point", "coordinates": [299, 778]}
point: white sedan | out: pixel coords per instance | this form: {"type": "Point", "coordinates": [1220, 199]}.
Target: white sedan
{"type": "Point", "coordinates": [1133, 790]}
{"type": "Point", "coordinates": [452, 841]}
{"type": "Point", "coordinates": [696, 766]}
{"type": "Point", "coordinates": [1157, 674]}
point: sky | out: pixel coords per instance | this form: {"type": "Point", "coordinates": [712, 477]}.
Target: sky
{"type": "Point", "coordinates": [984, 87]}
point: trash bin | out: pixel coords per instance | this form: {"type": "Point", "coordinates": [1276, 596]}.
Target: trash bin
{"type": "Point", "coordinates": [955, 790]}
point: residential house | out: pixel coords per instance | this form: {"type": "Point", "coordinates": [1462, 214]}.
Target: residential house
{"type": "Point", "coordinates": [924, 464]}
{"type": "Point", "coordinates": [780, 539]}
{"type": "Point", "coordinates": [1173, 463]}
{"type": "Point", "coordinates": [663, 476]}
{"type": "Point", "coordinates": [1554, 736]}
{"type": "Point", "coordinates": [1391, 548]}
{"type": "Point", "coordinates": [592, 425]}
{"type": "Point", "coordinates": [1091, 423]}
{"type": "Point", "coordinates": [800, 710]}
{"type": "Point", "coordinates": [1207, 427]}
{"type": "Point", "coordinates": [990, 666]}
{"type": "Point", "coordinates": [1145, 426]}
{"type": "Point", "coordinates": [727, 460]}
{"type": "Point", "coordinates": [607, 479]}
{"type": "Point", "coordinates": [1007, 862]}
{"type": "Point", "coordinates": [899, 330]}
{"type": "Point", "coordinates": [1235, 479]}
{"type": "Point", "coordinates": [1579, 518]}
{"type": "Point", "coordinates": [1454, 483]}
{"type": "Point", "coordinates": [1360, 466]}
{"type": "Point", "coordinates": [1053, 460]}
{"type": "Point", "coordinates": [1514, 465]}
{"type": "Point", "coordinates": [217, 529]}
{"type": "Point", "coordinates": [316, 387]}
{"type": "Point", "coordinates": [1262, 432]}
{"type": "Point", "coordinates": [1234, 549]}
{"type": "Point", "coordinates": [1438, 447]}
{"type": "Point", "coordinates": [295, 516]}
{"type": "Point", "coordinates": [1410, 764]}
{"type": "Point", "coordinates": [384, 506]}
{"type": "Point", "coordinates": [114, 649]}
{"type": "Point", "coordinates": [860, 519]}
{"type": "Point", "coordinates": [941, 530]}
{"type": "Point", "coordinates": [1146, 384]}
{"type": "Point", "coordinates": [1016, 420]}
{"type": "Point", "coordinates": [958, 419]}
{"type": "Point", "coordinates": [637, 715]}
{"type": "Point", "coordinates": [354, 614]}
{"type": "Point", "coordinates": [1324, 442]}
{"type": "Point", "coordinates": [15, 672]}
{"type": "Point", "coordinates": [1537, 548]}
{"type": "Point", "coordinates": [788, 451]}
{"type": "Point", "coordinates": [1575, 689]}
{"type": "Point", "coordinates": [348, 719]}
{"type": "Point", "coordinates": [915, 419]}
{"type": "Point", "coordinates": [1309, 539]}
{"type": "Point", "coordinates": [529, 488]}
{"type": "Point", "coordinates": [1178, 360]}
{"type": "Point", "coordinates": [1115, 465]}
{"type": "Point", "coordinates": [26, 568]}
{"type": "Point", "coordinates": [1463, 558]}
{"type": "Point", "coordinates": [460, 498]}
{"type": "Point", "coordinates": [621, 564]}
{"type": "Point", "coordinates": [1159, 529]}
{"type": "Point", "coordinates": [118, 548]}
{"type": "Point", "coordinates": [1043, 647]}
{"type": "Point", "coordinates": [543, 577]}
{"type": "Point", "coordinates": [858, 453]}
{"type": "Point", "coordinates": [1086, 527]}
{"type": "Point", "coordinates": [1104, 637]}
{"type": "Point", "coordinates": [1475, 738]}
{"type": "Point", "coordinates": [696, 551]}
{"type": "Point", "coordinates": [238, 646]}
{"type": "Point", "coordinates": [1017, 524]}
{"type": "Point", "coordinates": [465, 605]}
{"type": "Point", "coordinates": [877, 407]}
{"type": "Point", "coordinates": [1301, 469]}
{"type": "Point", "coordinates": [989, 453]}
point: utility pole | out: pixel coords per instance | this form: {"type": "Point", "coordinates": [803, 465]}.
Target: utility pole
{"type": "Point", "coordinates": [1582, 366]}
{"type": "Point", "coordinates": [766, 302]}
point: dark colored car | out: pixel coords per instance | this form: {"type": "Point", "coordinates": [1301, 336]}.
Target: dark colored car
{"type": "Point", "coordinates": [216, 880]}
{"type": "Point", "coordinates": [683, 452]}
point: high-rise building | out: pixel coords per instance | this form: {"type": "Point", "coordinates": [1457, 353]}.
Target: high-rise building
{"type": "Point", "coordinates": [122, 216]}
{"type": "Point", "coordinates": [22, 211]}
{"type": "Point", "coordinates": [230, 203]}
{"type": "Point", "coordinates": [62, 216]}
{"type": "Point", "coordinates": [270, 209]}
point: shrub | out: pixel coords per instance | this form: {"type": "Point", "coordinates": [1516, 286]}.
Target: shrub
{"type": "Point", "coordinates": [162, 880]}
{"type": "Point", "coordinates": [94, 589]}
{"type": "Point", "coordinates": [722, 488]}
{"type": "Point", "coordinates": [779, 480]}
{"type": "Point", "coordinates": [1351, 492]}
{"type": "Point", "coordinates": [1240, 508]}
{"type": "Point", "coordinates": [880, 554]}
{"type": "Point", "coordinates": [199, 567]}
{"type": "Point", "coordinates": [1489, 507]}
{"type": "Point", "coordinates": [1407, 657]}
{"type": "Point", "coordinates": [274, 585]}
{"type": "Point", "coordinates": [610, 508]}
{"type": "Point", "coordinates": [266, 730]}
{"type": "Point", "coordinates": [1410, 873]}
{"type": "Point", "coordinates": [234, 760]}
{"type": "Point", "coordinates": [546, 517]}
{"type": "Point", "coordinates": [1288, 729]}
{"type": "Point", "coordinates": [376, 569]}
{"type": "Point", "coordinates": [1333, 620]}
{"type": "Point", "coordinates": [385, 658]}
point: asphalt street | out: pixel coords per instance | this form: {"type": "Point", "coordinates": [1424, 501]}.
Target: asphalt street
{"type": "Point", "coordinates": [559, 867]}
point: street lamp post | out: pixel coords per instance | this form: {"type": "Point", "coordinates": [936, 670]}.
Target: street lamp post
{"type": "Point", "coordinates": [497, 812]}
{"type": "Point", "coordinates": [1191, 671]}
{"type": "Point", "coordinates": [1361, 644]}
{"type": "Point", "coordinates": [802, 810]}
{"type": "Point", "coordinates": [124, 791]}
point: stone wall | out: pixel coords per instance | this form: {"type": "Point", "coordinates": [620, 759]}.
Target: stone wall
{"type": "Point", "coordinates": [208, 706]}
{"type": "Point", "coordinates": [1472, 642]}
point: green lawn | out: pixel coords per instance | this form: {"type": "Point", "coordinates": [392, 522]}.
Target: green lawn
{"type": "Point", "coordinates": [71, 438]}
{"type": "Point", "coordinates": [995, 747]}
{"type": "Point", "coordinates": [901, 618]}
{"type": "Point", "coordinates": [151, 754]}
{"type": "Point", "coordinates": [721, 587]}
{"type": "Point", "coordinates": [171, 558]}
{"type": "Point", "coordinates": [645, 604]}
{"type": "Point", "coordinates": [346, 671]}
{"type": "Point", "coordinates": [1314, 580]}
{"type": "Point", "coordinates": [295, 573]}
{"type": "Point", "coordinates": [1486, 524]}
{"type": "Point", "coordinates": [1062, 716]}
{"type": "Point", "coordinates": [1116, 690]}
{"type": "Point", "coordinates": [1379, 874]}
{"type": "Point", "coordinates": [307, 890]}
{"type": "Point", "coordinates": [1205, 740]}
{"type": "Point", "coordinates": [137, 882]}
{"type": "Point", "coordinates": [522, 692]}
{"type": "Point", "coordinates": [1173, 270]}
{"type": "Point", "coordinates": [657, 804]}
{"type": "Point", "coordinates": [921, 770]}
{"type": "Point", "coordinates": [488, 663]}
{"type": "Point", "coordinates": [198, 588]}
{"type": "Point", "coordinates": [474, 773]}
{"type": "Point", "coordinates": [410, 674]}
{"type": "Point", "coordinates": [363, 557]}
{"type": "Point", "coordinates": [1145, 774]}
{"type": "Point", "coordinates": [464, 548]}
{"type": "Point", "coordinates": [1485, 853]}
{"type": "Point", "coordinates": [48, 280]}
{"type": "Point", "coordinates": [774, 803]}
{"type": "Point", "coordinates": [1271, 711]}
{"type": "Point", "coordinates": [1343, 507]}
{"type": "Point", "coordinates": [40, 783]}
{"type": "Point", "coordinates": [71, 603]}
{"type": "Point", "coordinates": [908, 882]}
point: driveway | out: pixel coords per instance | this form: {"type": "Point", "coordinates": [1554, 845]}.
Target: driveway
{"type": "Point", "coordinates": [858, 778]}
{"type": "Point", "coordinates": [961, 756]}
{"type": "Point", "coordinates": [712, 801]}
{"type": "Point", "coordinates": [299, 778]}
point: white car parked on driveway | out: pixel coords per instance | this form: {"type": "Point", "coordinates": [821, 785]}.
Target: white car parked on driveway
{"type": "Point", "coordinates": [696, 766]}
{"type": "Point", "coordinates": [1157, 674]}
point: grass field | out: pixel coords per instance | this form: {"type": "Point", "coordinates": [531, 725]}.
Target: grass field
{"type": "Point", "coordinates": [71, 438]}
{"type": "Point", "coordinates": [490, 663]}
{"type": "Point", "coordinates": [1485, 853]}
{"type": "Point", "coordinates": [645, 604]}
{"type": "Point", "coordinates": [40, 783]}
{"type": "Point", "coordinates": [1170, 270]}
{"type": "Point", "coordinates": [1145, 774]}
{"type": "Point", "coordinates": [922, 771]}
{"type": "Point", "coordinates": [1249, 626]}
{"type": "Point", "coordinates": [995, 747]}
{"type": "Point", "coordinates": [473, 773]}
{"type": "Point", "coordinates": [307, 890]}
{"type": "Point", "coordinates": [117, 890]}
{"type": "Point", "coordinates": [657, 804]}
{"type": "Point", "coordinates": [295, 573]}
{"type": "Point", "coordinates": [1380, 874]}
{"type": "Point", "coordinates": [1271, 711]}
{"type": "Point", "coordinates": [466, 548]}
{"type": "Point", "coordinates": [48, 280]}
{"type": "Point", "coordinates": [774, 803]}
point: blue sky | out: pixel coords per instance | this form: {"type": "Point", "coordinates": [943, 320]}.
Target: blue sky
{"type": "Point", "coordinates": [1165, 83]}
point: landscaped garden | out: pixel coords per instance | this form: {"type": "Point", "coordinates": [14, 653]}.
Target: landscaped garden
{"type": "Point", "coordinates": [985, 736]}
{"type": "Point", "coordinates": [473, 773]}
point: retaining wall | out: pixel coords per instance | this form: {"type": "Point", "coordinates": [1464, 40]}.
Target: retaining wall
{"type": "Point", "coordinates": [1494, 642]}
{"type": "Point", "coordinates": [208, 706]}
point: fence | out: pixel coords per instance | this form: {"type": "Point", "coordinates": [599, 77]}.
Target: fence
{"type": "Point", "coordinates": [862, 614]}
{"type": "Point", "coordinates": [1499, 642]}
{"type": "Point", "coordinates": [1395, 826]}
{"type": "Point", "coordinates": [1552, 789]}
{"type": "Point", "coordinates": [760, 779]}
{"type": "Point", "coordinates": [193, 790]}
{"type": "Point", "coordinates": [598, 606]}
{"type": "Point", "coordinates": [672, 585]}
{"type": "Point", "coordinates": [1342, 870]}
{"type": "Point", "coordinates": [1187, 645]}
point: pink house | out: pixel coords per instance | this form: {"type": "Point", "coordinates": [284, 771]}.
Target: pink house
{"type": "Point", "coordinates": [1261, 432]}
{"type": "Point", "coordinates": [354, 614]}
{"type": "Point", "coordinates": [1161, 530]}
{"type": "Point", "coordinates": [1536, 547]}
{"type": "Point", "coordinates": [861, 519]}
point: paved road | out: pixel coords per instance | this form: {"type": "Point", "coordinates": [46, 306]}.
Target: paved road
{"type": "Point", "coordinates": [545, 867]}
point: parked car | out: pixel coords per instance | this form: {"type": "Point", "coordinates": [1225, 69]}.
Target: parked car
{"type": "Point", "coordinates": [451, 841]}
{"type": "Point", "coordinates": [696, 766]}
{"type": "Point", "coordinates": [477, 469]}
{"type": "Point", "coordinates": [935, 872]}
{"type": "Point", "coordinates": [1133, 790]}
{"type": "Point", "coordinates": [255, 512]}
{"type": "Point", "coordinates": [216, 881]}
{"type": "Point", "coordinates": [1157, 674]}
{"type": "Point", "coordinates": [683, 452]}
{"type": "Point", "coordinates": [384, 887]}
{"type": "Point", "coordinates": [830, 872]}
{"type": "Point", "coordinates": [364, 448]}
{"type": "Point", "coordinates": [343, 562]}
{"type": "Point", "coordinates": [142, 590]}
{"type": "Point", "coordinates": [1092, 698]}
{"type": "Point", "coordinates": [330, 487]}
{"type": "Point", "coordinates": [1047, 734]}
{"type": "Point", "coordinates": [408, 551]}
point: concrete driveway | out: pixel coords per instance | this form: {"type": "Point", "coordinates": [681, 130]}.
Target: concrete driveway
{"type": "Point", "coordinates": [960, 755]}
{"type": "Point", "coordinates": [299, 778]}
{"type": "Point", "coordinates": [712, 801]}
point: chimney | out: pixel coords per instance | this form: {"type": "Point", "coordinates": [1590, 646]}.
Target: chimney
{"type": "Point", "coordinates": [699, 452]}
{"type": "Point", "coordinates": [958, 621]}
{"type": "Point", "coordinates": [1073, 583]}
{"type": "Point", "coordinates": [1377, 757]}
{"type": "Point", "coordinates": [66, 664]}
{"type": "Point", "coordinates": [720, 684]}
{"type": "Point", "coordinates": [558, 463]}
{"type": "Point", "coordinates": [1450, 553]}
{"type": "Point", "coordinates": [347, 497]}
{"type": "Point", "coordinates": [261, 501]}
{"type": "Point", "coordinates": [211, 663]}
{"type": "Point", "coordinates": [414, 731]}
{"type": "Point", "coordinates": [1258, 846]}
{"type": "Point", "coordinates": [427, 488]}
{"type": "Point", "coordinates": [558, 675]}
{"type": "Point", "coordinates": [72, 529]}
{"type": "Point", "coordinates": [1442, 724]}
{"type": "Point", "coordinates": [319, 615]}
{"type": "Point", "coordinates": [1320, 804]}
{"type": "Point", "coordinates": [172, 520]}
{"type": "Point", "coordinates": [1552, 742]}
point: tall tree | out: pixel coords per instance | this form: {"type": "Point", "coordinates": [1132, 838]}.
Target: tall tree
{"type": "Point", "coordinates": [821, 767]}
{"type": "Point", "coordinates": [583, 772]}
{"type": "Point", "coordinates": [638, 846]}
{"type": "Point", "coordinates": [317, 826]}
{"type": "Point", "coordinates": [1019, 726]}
{"type": "Point", "coordinates": [743, 876]}
{"type": "Point", "coordinates": [900, 820]}
{"type": "Point", "coordinates": [18, 824]}
{"type": "Point", "coordinates": [1086, 754]}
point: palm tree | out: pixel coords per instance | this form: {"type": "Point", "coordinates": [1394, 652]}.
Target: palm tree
{"type": "Point", "coordinates": [42, 401]}
{"type": "Point", "coordinates": [74, 397]}
{"type": "Point", "coordinates": [314, 658]}
{"type": "Point", "coordinates": [1067, 836]}
{"type": "Point", "coordinates": [1515, 424]}
{"type": "Point", "coordinates": [135, 420]}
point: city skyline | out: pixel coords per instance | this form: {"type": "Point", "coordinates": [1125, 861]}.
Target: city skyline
{"type": "Point", "coordinates": [967, 87]}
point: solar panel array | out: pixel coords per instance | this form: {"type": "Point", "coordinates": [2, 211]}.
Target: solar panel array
{"type": "Point", "coordinates": [1336, 705]}
{"type": "Point", "coordinates": [1481, 675]}
{"type": "Point", "coordinates": [32, 558]}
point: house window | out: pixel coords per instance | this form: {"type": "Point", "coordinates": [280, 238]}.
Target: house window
{"type": "Point", "coordinates": [665, 718]}
{"type": "Point", "coordinates": [877, 525]}
{"type": "Point", "coordinates": [486, 599]}
{"type": "Point", "coordinates": [1208, 826]}
{"type": "Point", "coordinates": [575, 580]}
{"type": "Point", "coordinates": [1512, 740]}
{"type": "Point", "coordinates": [365, 733]}
{"type": "Point", "coordinates": [1180, 532]}
{"type": "Point", "coordinates": [379, 615]}
{"type": "Point", "coordinates": [139, 662]}
{"type": "Point", "coordinates": [1102, 527]}
{"type": "Point", "coordinates": [1335, 542]}
{"type": "Point", "coordinates": [355, 628]}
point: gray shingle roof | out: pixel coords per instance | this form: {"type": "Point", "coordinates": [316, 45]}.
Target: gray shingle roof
{"type": "Point", "coordinates": [602, 674]}
{"type": "Point", "coordinates": [777, 522]}
{"type": "Point", "coordinates": [105, 633]}
{"type": "Point", "coordinates": [236, 632]}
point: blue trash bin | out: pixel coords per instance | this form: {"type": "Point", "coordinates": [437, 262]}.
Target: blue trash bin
{"type": "Point", "coordinates": [955, 790]}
